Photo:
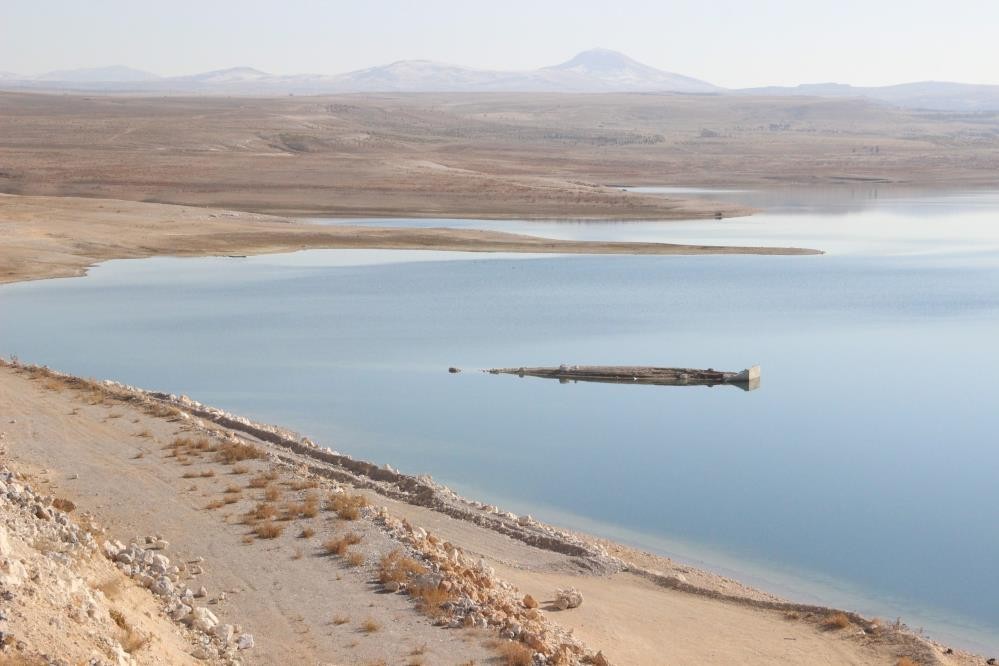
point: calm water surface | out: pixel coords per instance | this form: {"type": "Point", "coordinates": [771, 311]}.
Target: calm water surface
{"type": "Point", "coordinates": [863, 473]}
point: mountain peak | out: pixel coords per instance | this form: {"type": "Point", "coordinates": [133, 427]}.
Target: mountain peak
{"type": "Point", "coordinates": [598, 59]}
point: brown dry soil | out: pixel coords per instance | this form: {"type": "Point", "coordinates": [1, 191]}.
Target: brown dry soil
{"type": "Point", "coordinates": [109, 457]}
{"type": "Point", "coordinates": [474, 155]}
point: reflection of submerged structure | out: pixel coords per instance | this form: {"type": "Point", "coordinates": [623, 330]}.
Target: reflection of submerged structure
{"type": "Point", "coordinates": [747, 380]}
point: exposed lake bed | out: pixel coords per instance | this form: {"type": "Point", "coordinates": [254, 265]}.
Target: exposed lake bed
{"type": "Point", "coordinates": [844, 475]}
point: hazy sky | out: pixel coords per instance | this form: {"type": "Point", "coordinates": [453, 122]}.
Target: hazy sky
{"type": "Point", "coordinates": [730, 43]}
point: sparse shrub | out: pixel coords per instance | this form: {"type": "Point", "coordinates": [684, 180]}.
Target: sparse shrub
{"type": "Point", "coordinates": [515, 654]}
{"type": "Point", "coordinates": [64, 505]}
{"type": "Point", "coordinates": [240, 469]}
{"type": "Point", "coordinates": [303, 484]}
{"type": "Point", "coordinates": [306, 533]}
{"type": "Point", "coordinates": [133, 641]}
{"type": "Point", "coordinates": [272, 494]}
{"type": "Point", "coordinates": [430, 599]}
{"type": "Point", "coordinates": [340, 619]}
{"type": "Point", "coordinates": [346, 506]}
{"type": "Point", "coordinates": [215, 504]}
{"type": "Point", "coordinates": [233, 452]}
{"type": "Point", "coordinates": [261, 511]}
{"type": "Point", "coordinates": [355, 559]}
{"type": "Point", "coordinates": [370, 626]}
{"type": "Point", "coordinates": [263, 479]}
{"type": "Point", "coordinates": [309, 507]}
{"type": "Point", "coordinates": [398, 567]}
{"type": "Point", "coordinates": [836, 621]}
{"type": "Point", "coordinates": [339, 546]}
{"type": "Point", "coordinates": [268, 530]}
{"type": "Point", "coordinates": [233, 488]}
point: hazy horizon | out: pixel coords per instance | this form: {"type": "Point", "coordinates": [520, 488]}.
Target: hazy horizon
{"type": "Point", "coordinates": [728, 44]}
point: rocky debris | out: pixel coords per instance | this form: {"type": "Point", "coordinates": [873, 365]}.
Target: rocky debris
{"type": "Point", "coordinates": [476, 598]}
{"type": "Point", "coordinates": [42, 555]}
{"type": "Point", "coordinates": [143, 562]}
{"type": "Point", "coordinates": [568, 598]}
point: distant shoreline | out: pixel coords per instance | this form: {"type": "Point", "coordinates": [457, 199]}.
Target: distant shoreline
{"type": "Point", "coordinates": [51, 237]}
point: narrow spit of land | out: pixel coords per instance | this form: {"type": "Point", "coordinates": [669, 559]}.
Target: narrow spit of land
{"type": "Point", "coordinates": [304, 572]}
{"type": "Point", "coordinates": [59, 237]}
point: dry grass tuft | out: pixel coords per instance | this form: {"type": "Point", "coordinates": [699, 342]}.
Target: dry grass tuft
{"type": "Point", "coordinates": [906, 661]}
{"type": "Point", "coordinates": [234, 452]}
{"type": "Point", "coordinates": [272, 493]}
{"type": "Point", "coordinates": [306, 533]}
{"type": "Point", "coordinates": [430, 600]}
{"type": "Point", "coordinates": [355, 559]}
{"type": "Point", "coordinates": [303, 484]}
{"type": "Point", "coordinates": [233, 488]}
{"type": "Point", "coordinates": [215, 504]}
{"type": "Point", "coordinates": [515, 654]}
{"type": "Point", "coordinates": [398, 567]}
{"type": "Point", "coordinates": [346, 506]}
{"type": "Point", "coordinates": [63, 505]}
{"type": "Point", "coordinates": [240, 469]}
{"type": "Point", "coordinates": [370, 626]}
{"type": "Point", "coordinates": [268, 530]}
{"type": "Point", "coordinates": [836, 621]}
{"type": "Point", "coordinates": [133, 641]}
{"type": "Point", "coordinates": [339, 546]}
{"type": "Point", "coordinates": [340, 619]}
{"type": "Point", "coordinates": [261, 511]}
{"type": "Point", "coordinates": [263, 479]}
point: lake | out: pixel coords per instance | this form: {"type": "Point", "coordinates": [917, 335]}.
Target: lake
{"type": "Point", "coordinates": [864, 472]}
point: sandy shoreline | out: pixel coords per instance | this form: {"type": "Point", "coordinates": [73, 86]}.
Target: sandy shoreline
{"type": "Point", "coordinates": [533, 556]}
{"type": "Point", "coordinates": [60, 237]}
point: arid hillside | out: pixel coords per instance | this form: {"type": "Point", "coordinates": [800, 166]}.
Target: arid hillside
{"type": "Point", "coordinates": [476, 155]}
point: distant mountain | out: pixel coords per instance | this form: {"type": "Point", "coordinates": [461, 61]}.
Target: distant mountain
{"type": "Point", "coordinates": [610, 70]}
{"type": "Point", "coordinates": [233, 75]}
{"type": "Point", "coordinates": [113, 74]}
{"type": "Point", "coordinates": [597, 70]}
{"type": "Point", "coordinates": [929, 95]}
{"type": "Point", "coordinates": [593, 71]}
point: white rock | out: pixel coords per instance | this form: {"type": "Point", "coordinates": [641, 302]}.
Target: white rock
{"type": "Point", "coordinates": [12, 572]}
{"type": "Point", "coordinates": [203, 619]}
{"type": "Point", "coordinates": [568, 598]}
{"type": "Point", "coordinates": [224, 632]}
{"type": "Point", "coordinates": [5, 548]}
{"type": "Point", "coordinates": [244, 642]}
